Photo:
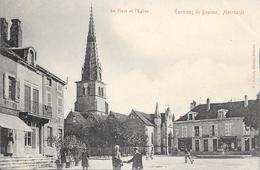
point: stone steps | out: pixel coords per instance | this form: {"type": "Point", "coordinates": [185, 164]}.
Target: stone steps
{"type": "Point", "coordinates": [25, 162]}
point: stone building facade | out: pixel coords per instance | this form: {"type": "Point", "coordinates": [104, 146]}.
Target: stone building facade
{"type": "Point", "coordinates": [31, 98]}
{"type": "Point", "coordinates": [214, 127]}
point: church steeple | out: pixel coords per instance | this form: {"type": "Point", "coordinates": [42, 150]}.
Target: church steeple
{"type": "Point", "coordinates": [91, 90]}
{"type": "Point", "coordinates": [91, 69]}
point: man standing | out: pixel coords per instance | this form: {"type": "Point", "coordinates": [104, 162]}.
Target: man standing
{"type": "Point", "coordinates": [137, 160]}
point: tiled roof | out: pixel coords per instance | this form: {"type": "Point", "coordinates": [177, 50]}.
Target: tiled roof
{"type": "Point", "coordinates": [146, 118]}
{"type": "Point", "coordinates": [99, 118]}
{"type": "Point", "coordinates": [119, 116]}
{"type": "Point", "coordinates": [235, 109]}
{"type": "Point", "coordinates": [78, 116]}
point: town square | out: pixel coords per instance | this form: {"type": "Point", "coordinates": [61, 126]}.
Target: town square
{"type": "Point", "coordinates": [129, 85]}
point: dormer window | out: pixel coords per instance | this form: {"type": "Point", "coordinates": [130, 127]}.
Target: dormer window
{"type": "Point", "coordinates": [222, 113]}
{"type": "Point", "coordinates": [192, 115]}
{"type": "Point", "coordinates": [31, 57]}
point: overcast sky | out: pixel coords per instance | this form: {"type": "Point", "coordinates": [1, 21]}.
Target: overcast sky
{"type": "Point", "coordinates": [147, 57]}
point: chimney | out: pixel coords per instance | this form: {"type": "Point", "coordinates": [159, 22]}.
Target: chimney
{"type": "Point", "coordinates": [245, 101]}
{"type": "Point", "coordinates": [258, 96]}
{"type": "Point", "coordinates": [3, 29]}
{"type": "Point", "coordinates": [192, 105]}
{"type": "Point", "coordinates": [16, 33]}
{"type": "Point", "coordinates": [208, 104]}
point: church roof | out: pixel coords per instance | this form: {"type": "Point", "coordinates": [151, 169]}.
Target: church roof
{"type": "Point", "coordinates": [235, 109]}
{"type": "Point", "coordinates": [119, 116]}
{"type": "Point", "coordinates": [146, 118]}
{"type": "Point", "coordinates": [75, 115]}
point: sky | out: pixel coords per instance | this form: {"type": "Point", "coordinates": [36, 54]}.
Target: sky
{"type": "Point", "coordinates": [150, 51]}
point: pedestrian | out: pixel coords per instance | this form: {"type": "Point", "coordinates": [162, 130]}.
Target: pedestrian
{"type": "Point", "coordinates": [10, 142]}
{"type": "Point", "coordinates": [137, 160]}
{"type": "Point", "coordinates": [188, 155]}
{"type": "Point", "coordinates": [85, 159]}
{"type": "Point", "coordinates": [116, 159]}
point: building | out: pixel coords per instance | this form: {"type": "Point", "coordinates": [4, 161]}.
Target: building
{"type": "Point", "coordinates": [31, 98]}
{"type": "Point", "coordinates": [158, 127]}
{"type": "Point", "coordinates": [214, 127]}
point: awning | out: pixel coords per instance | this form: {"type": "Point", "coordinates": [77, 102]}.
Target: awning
{"type": "Point", "coordinates": [13, 122]}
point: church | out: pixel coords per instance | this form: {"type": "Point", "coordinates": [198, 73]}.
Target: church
{"type": "Point", "coordinates": [91, 106]}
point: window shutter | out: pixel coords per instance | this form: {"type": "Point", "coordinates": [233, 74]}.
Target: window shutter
{"type": "Point", "coordinates": [200, 131]}
{"type": "Point", "coordinates": [193, 131]}
{"type": "Point", "coordinates": [17, 91]}
{"type": "Point", "coordinates": [216, 130]}
{"type": "Point", "coordinates": [230, 130]}
{"type": "Point", "coordinates": [210, 130]}
{"type": "Point", "coordinates": [6, 86]}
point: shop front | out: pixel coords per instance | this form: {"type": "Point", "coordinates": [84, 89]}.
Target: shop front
{"type": "Point", "coordinates": [12, 130]}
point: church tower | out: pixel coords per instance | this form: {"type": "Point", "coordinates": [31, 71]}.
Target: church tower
{"type": "Point", "coordinates": [91, 90]}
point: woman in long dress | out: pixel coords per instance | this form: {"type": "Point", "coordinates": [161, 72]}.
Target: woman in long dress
{"type": "Point", "coordinates": [10, 142]}
{"type": "Point", "coordinates": [116, 159]}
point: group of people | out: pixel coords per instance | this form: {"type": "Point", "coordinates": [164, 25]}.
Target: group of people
{"type": "Point", "coordinates": [117, 162]}
{"type": "Point", "coordinates": [137, 163]}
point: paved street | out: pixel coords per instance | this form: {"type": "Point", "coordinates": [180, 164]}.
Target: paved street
{"type": "Point", "coordinates": [177, 163]}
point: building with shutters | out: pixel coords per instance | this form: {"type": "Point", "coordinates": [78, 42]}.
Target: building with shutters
{"type": "Point", "coordinates": [214, 127]}
{"type": "Point", "coordinates": [31, 98]}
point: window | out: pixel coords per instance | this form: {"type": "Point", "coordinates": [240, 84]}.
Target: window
{"type": "Point", "coordinates": [74, 119]}
{"type": "Point", "coordinates": [222, 113]}
{"type": "Point", "coordinates": [184, 131]}
{"type": "Point", "coordinates": [214, 130]}
{"type": "Point", "coordinates": [197, 130]}
{"type": "Point", "coordinates": [49, 136]}
{"type": "Point", "coordinates": [49, 98]}
{"type": "Point", "coordinates": [28, 139]}
{"type": "Point", "coordinates": [49, 82]}
{"type": "Point", "coordinates": [102, 92]}
{"type": "Point", "coordinates": [11, 92]}
{"type": "Point", "coordinates": [99, 91]}
{"type": "Point", "coordinates": [228, 129]}
{"type": "Point", "coordinates": [59, 133]}
{"type": "Point", "coordinates": [35, 101]}
{"type": "Point", "coordinates": [197, 145]}
{"type": "Point", "coordinates": [60, 106]}
{"type": "Point", "coordinates": [190, 116]}
{"type": "Point", "coordinates": [27, 98]}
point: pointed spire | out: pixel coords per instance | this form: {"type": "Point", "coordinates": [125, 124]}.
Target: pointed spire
{"type": "Point", "coordinates": [91, 29]}
{"type": "Point", "coordinates": [92, 68]}
{"type": "Point", "coordinates": [157, 113]}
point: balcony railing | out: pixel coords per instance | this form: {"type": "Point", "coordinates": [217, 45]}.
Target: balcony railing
{"type": "Point", "coordinates": [36, 108]}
